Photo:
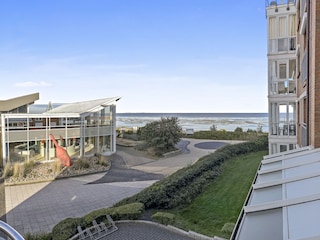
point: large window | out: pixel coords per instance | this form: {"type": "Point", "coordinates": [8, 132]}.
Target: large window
{"type": "Point", "coordinates": [282, 76]}
{"type": "Point", "coordinates": [282, 33]}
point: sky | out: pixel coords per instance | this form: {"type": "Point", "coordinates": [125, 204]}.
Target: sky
{"type": "Point", "coordinates": [157, 55]}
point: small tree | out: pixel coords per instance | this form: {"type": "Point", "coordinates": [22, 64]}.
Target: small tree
{"type": "Point", "coordinates": [238, 129]}
{"type": "Point", "coordinates": [163, 134]}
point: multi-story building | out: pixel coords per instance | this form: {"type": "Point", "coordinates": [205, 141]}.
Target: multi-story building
{"type": "Point", "coordinates": [293, 74]}
{"type": "Point", "coordinates": [282, 75]}
{"type": "Point", "coordinates": [308, 69]}
{"type": "Point", "coordinates": [284, 200]}
{"type": "Point", "coordinates": [81, 129]}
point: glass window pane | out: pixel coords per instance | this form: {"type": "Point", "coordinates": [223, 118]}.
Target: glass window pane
{"type": "Point", "coordinates": [283, 44]}
{"type": "Point", "coordinates": [272, 28]}
{"type": "Point", "coordinates": [283, 71]}
{"type": "Point", "coordinates": [282, 27]}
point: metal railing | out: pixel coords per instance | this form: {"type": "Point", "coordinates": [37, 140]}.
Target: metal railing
{"type": "Point", "coordinates": [269, 3]}
{"type": "Point", "coordinates": [10, 231]}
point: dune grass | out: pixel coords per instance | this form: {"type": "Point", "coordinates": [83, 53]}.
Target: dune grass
{"type": "Point", "coordinates": [222, 201]}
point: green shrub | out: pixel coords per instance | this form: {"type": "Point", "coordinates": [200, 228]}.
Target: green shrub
{"type": "Point", "coordinates": [227, 135]}
{"type": "Point", "coordinates": [98, 215]}
{"type": "Point", "coordinates": [38, 236]}
{"type": "Point", "coordinates": [163, 218]}
{"type": "Point", "coordinates": [66, 228]}
{"type": "Point", "coordinates": [130, 211]}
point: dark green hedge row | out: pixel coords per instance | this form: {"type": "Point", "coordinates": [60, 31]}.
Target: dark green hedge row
{"type": "Point", "coordinates": [183, 186]}
{"type": "Point", "coordinates": [68, 227]}
{"type": "Point", "coordinates": [226, 135]}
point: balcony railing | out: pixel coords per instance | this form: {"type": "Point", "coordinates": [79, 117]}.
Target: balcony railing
{"type": "Point", "coordinates": [285, 87]}
{"type": "Point", "coordinates": [282, 45]}
{"type": "Point", "coordinates": [280, 129]}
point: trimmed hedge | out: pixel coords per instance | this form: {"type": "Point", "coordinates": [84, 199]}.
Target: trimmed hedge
{"type": "Point", "coordinates": [226, 135]}
{"type": "Point", "coordinates": [68, 227]}
{"type": "Point", "coordinates": [181, 188]}
{"type": "Point", "coordinates": [163, 218]}
{"type": "Point", "coordinates": [131, 211]}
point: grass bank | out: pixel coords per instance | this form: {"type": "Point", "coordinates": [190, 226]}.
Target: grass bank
{"type": "Point", "coordinates": [222, 201]}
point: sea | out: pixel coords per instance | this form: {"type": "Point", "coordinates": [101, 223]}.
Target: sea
{"type": "Point", "coordinates": [195, 121]}
{"type": "Point", "coordinates": [199, 121]}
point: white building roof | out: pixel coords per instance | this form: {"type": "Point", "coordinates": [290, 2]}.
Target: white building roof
{"type": "Point", "coordinates": [284, 201]}
{"type": "Point", "coordinates": [84, 107]}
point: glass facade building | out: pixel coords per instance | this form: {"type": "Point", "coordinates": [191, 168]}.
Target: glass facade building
{"type": "Point", "coordinates": [82, 129]}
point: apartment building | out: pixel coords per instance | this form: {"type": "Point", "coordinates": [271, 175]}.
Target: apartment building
{"type": "Point", "coordinates": [282, 75]}
{"type": "Point", "coordinates": [293, 74]}
{"type": "Point", "coordinates": [284, 200]}
{"type": "Point", "coordinates": [308, 69]}
{"type": "Point", "coordinates": [81, 129]}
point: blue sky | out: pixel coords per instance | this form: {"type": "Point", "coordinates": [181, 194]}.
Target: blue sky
{"type": "Point", "coordinates": [157, 55]}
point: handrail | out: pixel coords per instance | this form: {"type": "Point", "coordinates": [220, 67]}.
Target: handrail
{"type": "Point", "coordinates": [10, 231]}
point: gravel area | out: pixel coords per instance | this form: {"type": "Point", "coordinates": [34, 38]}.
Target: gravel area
{"type": "Point", "coordinates": [44, 171]}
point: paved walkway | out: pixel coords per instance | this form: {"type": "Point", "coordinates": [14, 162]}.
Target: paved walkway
{"type": "Point", "coordinates": [39, 207]}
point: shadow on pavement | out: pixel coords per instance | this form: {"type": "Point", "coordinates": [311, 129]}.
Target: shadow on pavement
{"type": "Point", "coordinates": [210, 145]}
{"type": "Point", "coordinates": [119, 172]}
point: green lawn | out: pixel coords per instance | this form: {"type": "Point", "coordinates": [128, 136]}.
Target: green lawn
{"type": "Point", "coordinates": [222, 201]}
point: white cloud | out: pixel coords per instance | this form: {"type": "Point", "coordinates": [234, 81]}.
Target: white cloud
{"type": "Point", "coordinates": [32, 84]}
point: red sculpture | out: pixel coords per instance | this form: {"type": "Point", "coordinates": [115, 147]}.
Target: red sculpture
{"type": "Point", "coordinates": [61, 153]}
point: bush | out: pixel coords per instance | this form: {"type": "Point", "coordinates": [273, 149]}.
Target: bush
{"type": "Point", "coordinates": [163, 218]}
{"type": "Point", "coordinates": [238, 129]}
{"type": "Point", "coordinates": [126, 212]}
{"type": "Point", "coordinates": [162, 134]}
{"type": "Point", "coordinates": [98, 215]}
{"type": "Point", "coordinates": [66, 228]}
{"type": "Point", "coordinates": [38, 236]}
{"type": "Point", "coordinates": [249, 135]}
{"type": "Point", "coordinates": [130, 211]}
{"type": "Point", "coordinates": [81, 163]}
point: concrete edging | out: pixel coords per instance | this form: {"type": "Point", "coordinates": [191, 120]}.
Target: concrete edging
{"type": "Point", "coordinates": [190, 234]}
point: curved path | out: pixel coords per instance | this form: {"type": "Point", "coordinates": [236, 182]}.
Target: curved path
{"type": "Point", "coordinates": [39, 207]}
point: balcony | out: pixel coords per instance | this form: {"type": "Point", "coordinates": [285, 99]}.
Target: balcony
{"type": "Point", "coordinates": [283, 87]}
{"type": "Point", "coordinates": [282, 45]}
{"type": "Point", "coordinates": [280, 129]}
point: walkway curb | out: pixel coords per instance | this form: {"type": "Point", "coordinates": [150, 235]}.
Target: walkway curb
{"type": "Point", "coordinates": [191, 234]}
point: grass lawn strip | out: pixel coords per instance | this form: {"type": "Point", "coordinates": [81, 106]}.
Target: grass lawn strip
{"type": "Point", "coordinates": [223, 199]}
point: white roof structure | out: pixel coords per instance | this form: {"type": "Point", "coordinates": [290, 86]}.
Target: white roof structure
{"type": "Point", "coordinates": [83, 107]}
{"type": "Point", "coordinates": [284, 200]}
